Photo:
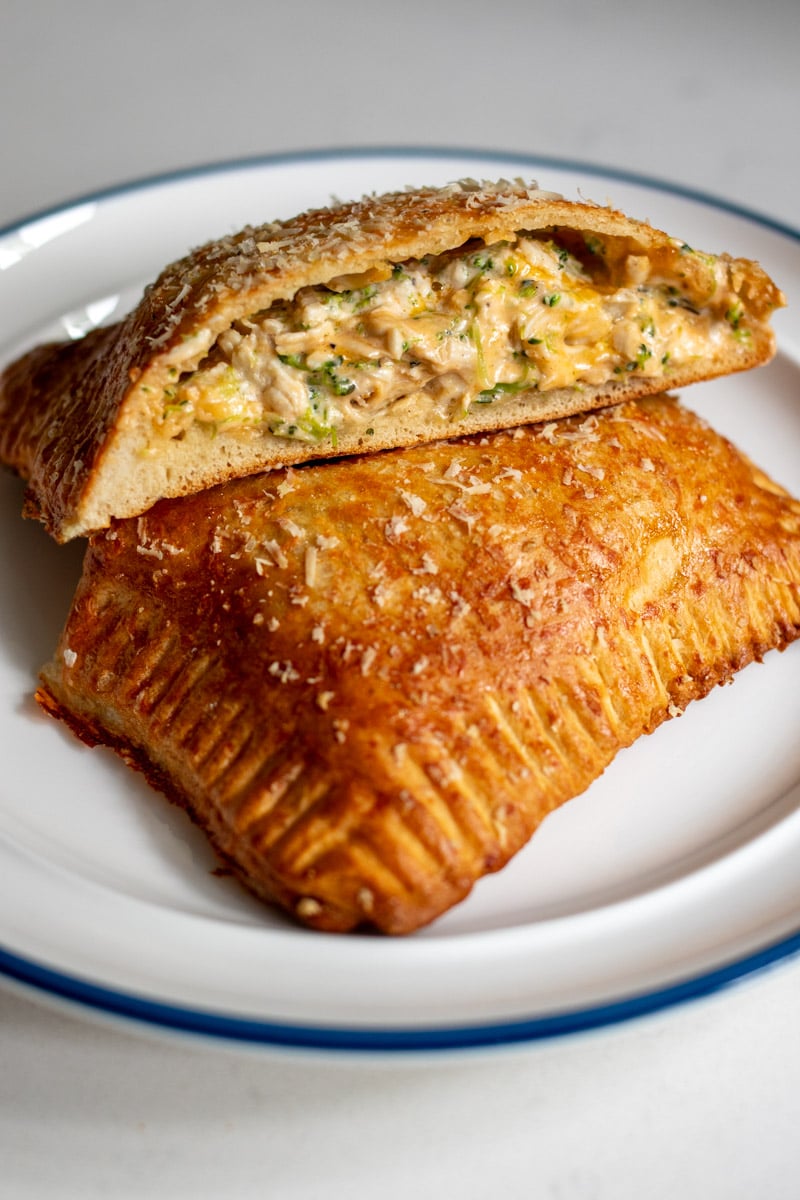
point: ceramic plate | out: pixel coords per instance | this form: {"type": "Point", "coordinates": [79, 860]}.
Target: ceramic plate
{"type": "Point", "coordinates": [674, 874]}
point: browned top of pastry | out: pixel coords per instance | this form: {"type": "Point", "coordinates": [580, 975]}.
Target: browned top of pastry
{"type": "Point", "coordinates": [370, 680]}
{"type": "Point", "coordinates": [154, 408]}
{"type": "Point", "coordinates": [248, 271]}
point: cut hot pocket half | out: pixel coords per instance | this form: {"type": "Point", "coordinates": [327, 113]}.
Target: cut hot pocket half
{"type": "Point", "coordinates": [395, 320]}
{"type": "Point", "coordinates": [370, 681]}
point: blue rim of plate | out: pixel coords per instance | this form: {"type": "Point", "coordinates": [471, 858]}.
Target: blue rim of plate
{"type": "Point", "coordinates": [465, 153]}
{"type": "Point", "coordinates": [254, 1031]}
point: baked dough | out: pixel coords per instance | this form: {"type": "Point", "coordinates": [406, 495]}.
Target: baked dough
{"type": "Point", "coordinates": [402, 318]}
{"type": "Point", "coordinates": [369, 681]}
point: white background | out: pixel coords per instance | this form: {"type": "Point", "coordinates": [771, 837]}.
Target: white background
{"type": "Point", "coordinates": [699, 1102]}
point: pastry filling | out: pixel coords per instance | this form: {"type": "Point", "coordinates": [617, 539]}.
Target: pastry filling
{"type": "Point", "coordinates": [469, 327]}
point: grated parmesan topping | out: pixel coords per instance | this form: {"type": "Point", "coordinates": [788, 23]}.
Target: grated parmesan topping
{"type": "Point", "coordinates": [395, 527]}
{"type": "Point", "coordinates": [277, 558]}
{"type": "Point", "coordinates": [429, 567]}
{"type": "Point", "coordinates": [290, 527]}
{"type": "Point", "coordinates": [311, 566]}
{"type": "Point", "coordinates": [285, 672]}
{"type": "Point", "coordinates": [415, 503]}
{"type": "Point", "coordinates": [367, 659]}
{"type": "Point", "coordinates": [462, 514]}
{"type": "Point", "coordinates": [524, 595]}
{"type": "Point", "coordinates": [288, 483]}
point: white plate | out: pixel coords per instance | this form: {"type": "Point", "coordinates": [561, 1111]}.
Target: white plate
{"type": "Point", "coordinates": [673, 875]}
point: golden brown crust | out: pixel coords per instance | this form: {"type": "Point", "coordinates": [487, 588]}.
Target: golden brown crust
{"type": "Point", "coordinates": [369, 682]}
{"type": "Point", "coordinates": [75, 420]}
{"type": "Point", "coordinates": [53, 445]}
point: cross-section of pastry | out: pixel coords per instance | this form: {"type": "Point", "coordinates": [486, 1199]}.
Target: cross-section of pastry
{"type": "Point", "coordinates": [395, 320]}
{"type": "Point", "coordinates": [369, 681]}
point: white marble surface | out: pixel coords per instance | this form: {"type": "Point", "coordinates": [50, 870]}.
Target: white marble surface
{"type": "Point", "coordinates": [697, 1102]}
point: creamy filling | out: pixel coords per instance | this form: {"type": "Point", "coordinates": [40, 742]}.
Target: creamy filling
{"type": "Point", "coordinates": [465, 328]}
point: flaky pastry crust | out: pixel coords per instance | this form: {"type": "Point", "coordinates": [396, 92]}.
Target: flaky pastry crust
{"type": "Point", "coordinates": [370, 681]}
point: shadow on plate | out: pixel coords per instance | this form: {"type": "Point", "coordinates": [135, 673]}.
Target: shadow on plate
{"type": "Point", "coordinates": [38, 583]}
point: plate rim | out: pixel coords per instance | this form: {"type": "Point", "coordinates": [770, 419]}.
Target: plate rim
{"type": "Point", "coordinates": [390, 1040]}
{"type": "Point", "coordinates": [279, 158]}
{"type": "Point", "coordinates": [253, 1031]}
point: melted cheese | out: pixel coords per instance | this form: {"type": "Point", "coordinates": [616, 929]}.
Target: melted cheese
{"type": "Point", "coordinates": [464, 328]}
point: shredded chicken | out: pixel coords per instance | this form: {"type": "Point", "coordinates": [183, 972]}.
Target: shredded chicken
{"type": "Point", "coordinates": [467, 327]}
